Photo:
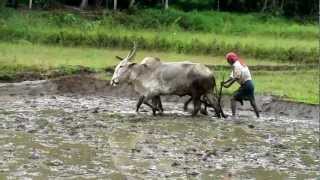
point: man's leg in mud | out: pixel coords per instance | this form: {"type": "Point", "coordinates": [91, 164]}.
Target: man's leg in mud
{"type": "Point", "coordinates": [233, 106]}
{"type": "Point", "coordinates": [254, 105]}
{"type": "Point", "coordinates": [237, 96]}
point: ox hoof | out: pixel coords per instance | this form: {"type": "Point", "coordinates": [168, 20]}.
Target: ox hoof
{"type": "Point", "coordinates": [204, 112]}
{"type": "Point", "coordinates": [160, 113]}
{"type": "Point", "coordinates": [194, 114]}
{"type": "Point", "coordinates": [154, 112]}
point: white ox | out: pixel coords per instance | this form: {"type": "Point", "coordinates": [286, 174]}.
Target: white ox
{"type": "Point", "coordinates": [153, 78]}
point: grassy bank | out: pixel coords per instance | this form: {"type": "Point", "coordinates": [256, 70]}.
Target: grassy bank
{"type": "Point", "coordinates": [27, 54]}
{"type": "Point", "coordinates": [15, 59]}
{"type": "Point", "coordinates": [298, 85]}
{"type": "Point", "coordinates": [253, 36]}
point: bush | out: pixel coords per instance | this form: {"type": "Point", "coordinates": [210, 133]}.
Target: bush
{"type": "Point", "coordinates": [2, 3]}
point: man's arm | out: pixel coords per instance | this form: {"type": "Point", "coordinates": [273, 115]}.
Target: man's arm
{"type": "Point", "coordinates": [228, 82]}
{"type": "Point", "coordinates": [234, 76]}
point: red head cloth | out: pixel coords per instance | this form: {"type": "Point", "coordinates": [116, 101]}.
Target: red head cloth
{"type": "Point", "coordinates": [233, 57]}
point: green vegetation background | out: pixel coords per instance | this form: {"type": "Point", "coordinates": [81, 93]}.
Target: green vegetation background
{"type": "Point", "coordinates": [43, 40]}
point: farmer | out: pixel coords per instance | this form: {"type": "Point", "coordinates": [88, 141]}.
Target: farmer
{"type": "Point", "coordinates": [241, 74]}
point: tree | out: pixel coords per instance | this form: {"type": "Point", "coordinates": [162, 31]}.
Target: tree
{"type": "Point", "coordinates": [274, 5]}
{"type": "Point", "coordinates": [3, 3]}
{"type": "Point", "coordinates": [30, 4]}
{"type": "Point", "coordinates": [166, 4]}
{"type": "Point", "coordinates": [282, 4]}
{"type": "Point", "coordinates": [131, 3]}
{"type": "Point", "coordinates": [107, 4]}
{"type": "Point", "coordinates": [84, 4]}
{"type": "Point", "coordinates": [14, 3]}
{"type": "Point", "coordinates": [98, 3]}
{"type": "Point", "coordinates": [265, 5]}
{"type": "Point", "coordinates": [115, 2]}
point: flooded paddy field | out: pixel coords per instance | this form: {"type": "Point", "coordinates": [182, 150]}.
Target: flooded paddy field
{"type": "Point", "coordinates": [47, 132]}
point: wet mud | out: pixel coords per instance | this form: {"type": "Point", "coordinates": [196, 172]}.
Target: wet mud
{"type": "Point", "coordinates": [80, 127]}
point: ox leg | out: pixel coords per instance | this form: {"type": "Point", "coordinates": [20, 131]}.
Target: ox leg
{"type": "Point", "coordinates": [196, 104]}
{"type": "Point", "coordinates": [140, 101]}
{"type": "Point", "coordinates": [185, 106]}
{"type": "Point", "coordinates": [159, 104]}
{"type": "Point", "coordinates": [153, 106]}
{"type": "Point", "coordinates": [154, 110]}
{"type": "Point", "coordinates": [204, 110]}
{"type": "Point", "coordinates": [156, 103]}
{"type": "Point", "coordinates": [143, 100]}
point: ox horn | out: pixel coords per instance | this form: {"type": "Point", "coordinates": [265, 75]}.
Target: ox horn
{"type": "Point", "coordinates": [132, 52]}
{"type": "Point", "coordinates": [120, 58]}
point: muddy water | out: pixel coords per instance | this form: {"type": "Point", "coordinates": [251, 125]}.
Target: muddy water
{"type": "Point", "coordinates": [73, 136]}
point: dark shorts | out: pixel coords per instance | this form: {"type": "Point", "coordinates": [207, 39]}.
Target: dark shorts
{"type": "Point", "coordinates": [245, 92]}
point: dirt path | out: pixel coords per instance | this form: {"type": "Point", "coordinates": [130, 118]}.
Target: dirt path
{"type": "Point", "coordinates": [79, 127]}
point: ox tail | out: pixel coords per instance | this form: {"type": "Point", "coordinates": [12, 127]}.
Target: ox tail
{"type": "Point", "coordinates": [215, 88]}
{"type": "Point", "coordinates": [219, 98]}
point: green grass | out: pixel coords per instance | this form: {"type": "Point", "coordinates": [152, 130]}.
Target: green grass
{"type": "Point", "coordinates": [217, 22]}
{"type": "Point", "coordinates": [258, 37]}
{"type": "Point", "coordinates": [297, 85]}
{"type": "Point", "coordinates": [46, 57]}
{"type": "Point", "coordinates": [302, 86]}
{"type": "Point", "coordinates": [155, 19]}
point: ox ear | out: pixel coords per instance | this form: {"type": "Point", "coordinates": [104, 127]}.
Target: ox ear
{"type": "Point", "coordinates": [132, 64]}
{"type": "Point", "coordinates": [119, 58]}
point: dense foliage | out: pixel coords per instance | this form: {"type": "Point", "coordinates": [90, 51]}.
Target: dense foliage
{"type": "Point", "coordinates": [285, 7]}
{"type": "Point", "coordinates": [289, 8]}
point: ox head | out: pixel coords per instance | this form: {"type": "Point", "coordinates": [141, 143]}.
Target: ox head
{"type": "Point", "coordinates": [123, 69]}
